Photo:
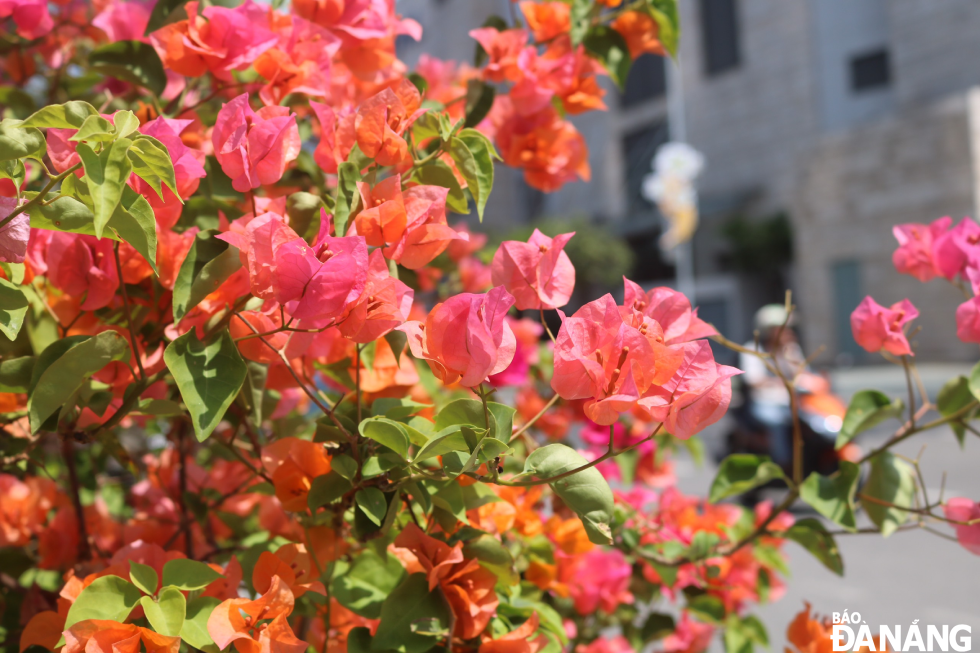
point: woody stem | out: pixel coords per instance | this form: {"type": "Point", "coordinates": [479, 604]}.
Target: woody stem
{"type": "Point", "coordinates": [128, 312]}
{"type": "Point", "coordinates": [40, 196]}
{"type": "Point", "coordinates": [68, 453]}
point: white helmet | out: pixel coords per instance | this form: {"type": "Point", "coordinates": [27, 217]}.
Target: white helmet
{"type": "Point", "coordinates": [772, 316]}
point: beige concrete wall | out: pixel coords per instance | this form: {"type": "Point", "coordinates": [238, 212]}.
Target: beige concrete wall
{"type": "Point", "coordinates": [854, 187]}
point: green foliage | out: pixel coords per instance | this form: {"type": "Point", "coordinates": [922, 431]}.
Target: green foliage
{"type": "Point", "coordinates": [348, 174]}
{"type": "Point", "coordinates": [473, 153]}
{"type": "Point", "coordinates": [410, 605]}
{"type": "Point", "coordinates": [438, 173]}
{"type": "Point", "coordinates": [13, 309]}
{"type": "Point", "coordinates": [740, 473]}
{"type": "Point", "coordinates": [363, 587]}
{"type": "Point", "coordinates": [953, 398]}
{"type": "Point", "coordinates": [195, 627]}
{"type": "Point", "coordinates": [209, 374]}
{"type": "Point", "coordinates": [18, 142]}
{"type": "Point", "coordinates": [106, 173]}
{"type": "Point", "coordinates": [867, 409]}
{"type": "Point", "coordinates": [208, 264]}
{"type": "Point", "coordinates": [891, 481]}
{"type": "Point", "coordinates": [143, 577]}
{"type": "Point", "coordinates": [833, 496]}
{"type": "Point", "coordinates": [479, 101]}
{"type": "Point", "coordinates": [131, 61]}
{"type": "Point", "coordinates": [814, 537]}
{"type": "Point", "coordinates": [188, 574]}
{"type": "Point", "coordinates": [166, 613]}
{"type": "Point", "coordinates": [585, 492]}
{"type": "Point", "coordinates": [608, 47]}
{"type": "Point", "coordinates": [108, 597]}
{"type": "Point", "coordinates": [56, 379]}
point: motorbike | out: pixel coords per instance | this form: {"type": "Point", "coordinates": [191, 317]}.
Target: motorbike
{"type": "Point", "coordinates": [758, 423]}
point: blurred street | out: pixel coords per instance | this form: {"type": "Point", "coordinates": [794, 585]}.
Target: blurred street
{"type": "Point", "coordinates": [911, 575]}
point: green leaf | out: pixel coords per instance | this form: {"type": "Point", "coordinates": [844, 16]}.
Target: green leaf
{"type": "Point", "coordinates": [503, 420]}
{"type": "Point", "coordinates": [303, 210]}
{"type": "Point", "coordinates": [868, 408]}
{"type": "Point", "coordinates": [580, 15]}
{"type": "Point", "coordinates": [131, 61]}
{"type": "Point", "coordinates": [151, 163]}
{"type": "Point", "coordinates": [708, 608]}
{"type": "Point", "coordinates": [348, 175]}
{"type": "Point", "coordinates": [95, 129]}
{"type": "Point", "coordinates": [410, 603]}
{"type": "Point", "coordinates": [953, 397]}
{"type": "Point", "coordinates": [397, 340]}
{"type": "Point", "coordinates": [586, 492]}
{"type": "Point", "coordinates": [15, 373]}
{"type": "Point", "coordinates": [386, 432]}
{"type": "Point", "coordinates": [608, 47]}
{"type": "Point", "coordinates": [167, 613]}
{"type": "Point", "coordinates": [106, 174]}
{"type": "Point", "coordinates": [740, 473]}
{"type": "Point", "coordinates": [208, 375]}
{"type": "Point", "coordinates": [372, 503]}
{"type": "Point", "coordinates": [17, 141]}
{"type": "Point", "coordinates": [126, 123]}
{"type": "Point", "coordinates": [19, 103]}
{"type": "Point", "coordinates": [209, 263]}
{"type": "Point", "coordinates": [438, 173]}
{"type": "Point", "coordinates": [891, 480]}
{"type": "Point", "coordinates": [65, 375]}
{"type": "Point", "coordinates": [143, 577]}
{"type": "Point", "coordinates": [812, 536]}
{"type": "Point", "coordinates": [974, 381]}
{"type": "Point", "coordinates": [368, 582]}
{"type": "Point", "coordinates": [465, 412]}
{"type": "Point", "coordinates": [474, 159]}
{"type": "Point", "coordinates": [69, 115]}
{"type": "Point", "coordinates": [133, 221]}
{"type": "Point", "coordinates": [164, 13]}
{"type": "Point", "coordinates": [479, 101]}
{"type": "Point", "coordinates": [195, 628]}
{"type": "Point", "coordinates": [108, 597]}
{"type": "Point", "coordinates": [327, 489]}
{"type": "Point", "coordinates": [833, 496]}
{"type": "Point", "coordinates": [443, 442]}
{"type": "Point", "coordinates": [668, 23]}
{"type": "Point", "coordinates": [63, 214]}
{"type": "Point", "coordinates": [188, 574]}
{"type": "Point", "coordinates": [13, 309]}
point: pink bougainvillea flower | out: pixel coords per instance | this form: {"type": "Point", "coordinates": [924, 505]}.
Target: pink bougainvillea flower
{"type": "Point", "coordinates": [968, 320]}
{"type": "Point", "coordinates": [383, 219]}
{"type": "Point", "coordinates": [696, 396]}
{"type": "Point", "coordinates": [384, 304]}
{"type": "Point", "coordinates": [502, 50]}
{"type": "Point", "coordinates": [244, 622]}
{"type": "Point", "coordinates": [599, 579]}
{"type": "Point", "coordinates": [299, 63]}
{"type": "Point", "coordinates": [101, 636]}
{"type": "Point", "coordinates": [537, 273]}
{"type": "Point", "coordinates": [465, 338]}
{"type": "Point", "coordinates": [964, 510]}
{"type": "Point", "coordinates": [32, 17]}
{"type": "Point", "coordinates": [79, 265]}
{"type": "Point", "coordinates": [15, 234]}
{"type": "Point", "coordinates": [124, 21]}
{"type": "Point", "coordinates": [876, 327]}
{"type": "Point", "coordinates": [607, 360]}
{"type": "Point", "coordinates": [953, 249]}
{"type": "Point", "coordinates": [315, 284]}
{"type": "Point", "coordinates": [188, 170]}
{"type": "Point", "coordinates": [254, 147]}
{"type": "Point", "coordinates": [689, 636]}
{"type": "Point", "coordinates": [617, 644]}
{"type": "Point", "coordinates": [382, 118]}
{"type": "Point", "coordinates": [915, 253]}
{"type": "Point", "coordinates": [528, 335]}
{"type": "Point", "coordinates": [218, 40]}
{"type": "Point", "coordinates": [427, 233]}
{"type": "Point", "coordinates": [669, 308]}
{"type": "Point", "coordinates": [337, 136]}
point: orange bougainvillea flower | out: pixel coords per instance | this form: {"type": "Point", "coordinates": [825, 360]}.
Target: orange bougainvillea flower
{"type": "Point", "coordinates": [24, 507]}
{"type": "Point", "coordinates": [518, 640]}
{"type": "Point", "coordinates": [545, 577]}
{"type": "Point", "coordinates": [253, 632]}
{"type": "Point", "coordinates": [503, 49]}
{"type": "Point", "coordinates": [809, 635]}
{"type": "Point", "coordinates": [569, 534]}
{"type": "Point", "coordinates": [467, 586]}
{"type": "Point", "coordinates": [381, 120]}
{"type": "Point", "coordinates": [293, 565]}
{"type": "Point", "coordinates": [547, 20]}
{"type": "Point", "coordinates": [293, 464]}
{"type": "Point", "coordinates": [383, 218]}
{"type": "Point", "coordinates": [101, 636]}
{"type": "Point", "coordinates": [640, 31]}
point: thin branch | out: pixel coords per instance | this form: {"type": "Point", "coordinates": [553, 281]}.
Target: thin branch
{"type": "Point", "coordinates": [128, 313]}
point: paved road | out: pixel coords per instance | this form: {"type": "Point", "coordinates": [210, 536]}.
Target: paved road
{"type": "Point", "coordinates": [893, 581]}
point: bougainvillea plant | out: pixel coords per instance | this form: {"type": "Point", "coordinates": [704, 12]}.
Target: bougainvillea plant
{"type": "Point", "coordinates": [258, 393]}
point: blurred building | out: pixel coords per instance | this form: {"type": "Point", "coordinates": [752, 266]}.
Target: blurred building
{"type": "Point", "coordinates": [845, 117]}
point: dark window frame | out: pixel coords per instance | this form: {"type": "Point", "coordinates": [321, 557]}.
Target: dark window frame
{"type": "Point", "coordinates": [721, 36]}
{"type": "Point", "coordinates": [647, 81]}
{"type": "Point", "coordinates": [870, 70]}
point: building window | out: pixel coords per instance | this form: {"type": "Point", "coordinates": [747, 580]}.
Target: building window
{"type": "Point", "coordinates": [647, 81]}
{"type": "Point", "coordinates": [640, 147]}
{"type": "Point", "coordinates": [719, 31]}
{"type": "Point", "coordinates": [870, 70]}
{"type": "Point", "coordinates": [846, 276]}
